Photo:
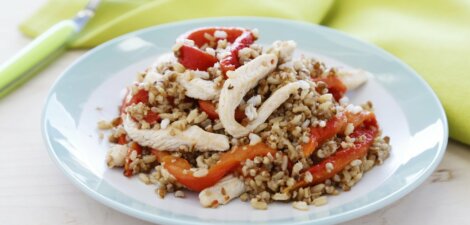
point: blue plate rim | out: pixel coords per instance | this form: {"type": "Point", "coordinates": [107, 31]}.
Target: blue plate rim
{"type": "Point", "coordinates": [337, 218]}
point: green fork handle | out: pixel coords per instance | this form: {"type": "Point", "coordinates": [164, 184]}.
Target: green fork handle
{"type": "Point", "coordinates": [18, 69]}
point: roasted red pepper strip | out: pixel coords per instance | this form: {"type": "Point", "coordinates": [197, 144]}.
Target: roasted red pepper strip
{"type": "Point", "coordinates": [122, 140]}
{"type": "Point", "coordinates": [152, 117]}
{"type": "Point", "coordinates": [337, 124]}
{"type": "Point", "coordinates": [209, 108]}
{"type": "Point", "coordinates": [335, 86]}
{"type": "Point", "coordinates": [228, 162]}
{"type": "Point", "coordinates": [231, 62]}
{"type": "Point", "coordinates": [193, 58]}
{"type": "Point", "coordinates": [140, 96]}
{"type": "Point", "coordinates": [198, 35]}
{"type": "Point", "coordinates": [343, 157]}
{"type": "Point", "coordinates": [132, 147]}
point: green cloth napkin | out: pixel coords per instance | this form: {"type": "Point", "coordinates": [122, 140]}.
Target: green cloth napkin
{"type": "Point", "coordinates": [433, 36]}
{"type": "Point", "coordinates": [117, 17]}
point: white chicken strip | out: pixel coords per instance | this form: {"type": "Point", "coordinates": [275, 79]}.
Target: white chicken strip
{"type": "Point", "coordinates": [222, 192]}
{"type": "Point", "coordinates": [274, 101]}
{"type": "Point", "coordinates": [283, 49]}
{"type": "Point", "coordinates": [163, 139]}
{"type": "Point", "coordinates": [353, 78]}
{"type": "Point", "coordinates": [239, 83]}
{"type": "Point", "coordinates": [198, 88]}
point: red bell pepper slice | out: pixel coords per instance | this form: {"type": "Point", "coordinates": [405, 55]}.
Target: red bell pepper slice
{"type": "Point", "coordinates": [122, 140]}
{"type": "Point", "coordinates": [152, 117]}
{"type": "Point", "coordinates": [199, 39]}
{"type": "Point", "coordinates": [228, 162]}
{"type": "Point", "coordinates": [194, 58]}
{"type": "Point", "coordinates": [141, 96]}
{"type": "Point", "coordinates": [342, 157]}
{"type": "Point", "coordinates": [231, 62]}
{"type": "Point", "coordinates": [128, 171]}
{"type": "Point", "coordinates": [337, 124]}
{"type": "Point", "coordinates": [335, 86]}
{"type": "Point", "coordinates": [209, 108]}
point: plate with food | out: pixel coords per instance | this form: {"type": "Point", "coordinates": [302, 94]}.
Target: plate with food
{"type": "Point", "coordinates": [243, 121]}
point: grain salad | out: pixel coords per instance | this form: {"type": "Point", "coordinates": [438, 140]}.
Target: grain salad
{"type": "Point", "coordinates": [228, 118]}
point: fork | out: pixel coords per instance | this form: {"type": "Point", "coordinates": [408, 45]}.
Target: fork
{"type": "Point", "coordinates": [19, 68]}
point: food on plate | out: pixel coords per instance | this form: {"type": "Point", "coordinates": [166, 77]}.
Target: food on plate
{"type": "Point", "coordinates": [228, 118]}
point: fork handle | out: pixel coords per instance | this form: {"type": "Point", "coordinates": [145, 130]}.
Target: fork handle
{"type": "Point", "coordinates": [17, 69]}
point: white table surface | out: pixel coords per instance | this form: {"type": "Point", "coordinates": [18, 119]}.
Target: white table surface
{"type": "Point", "coordinates": [34, 191]}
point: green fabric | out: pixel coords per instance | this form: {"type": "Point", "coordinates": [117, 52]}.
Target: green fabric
{"type": "Point", "coordinates": [117, 17]}
{"type": "Point", "coordinates": [433, 36]}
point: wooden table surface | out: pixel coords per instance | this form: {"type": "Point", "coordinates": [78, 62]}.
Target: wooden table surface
{"type": "Point", "coordinates": [34, 191]}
